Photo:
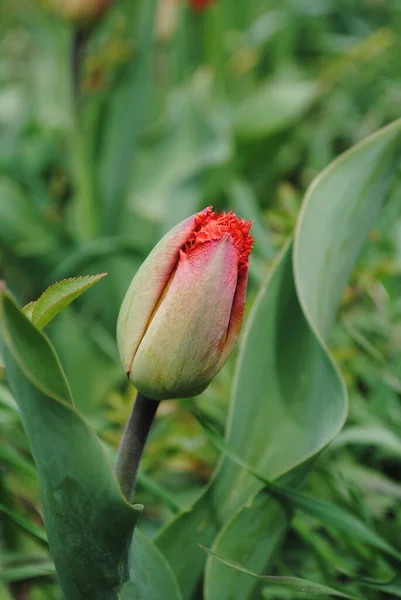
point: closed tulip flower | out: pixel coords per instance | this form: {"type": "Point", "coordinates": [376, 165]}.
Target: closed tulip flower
{"type": "Point", "coordinates": [79, 11]}
{"type": "Point", "coordinates": [183, 311]}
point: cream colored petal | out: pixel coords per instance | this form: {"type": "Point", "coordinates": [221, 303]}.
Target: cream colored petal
{"type": "Point", "coordinates": [146, 288]}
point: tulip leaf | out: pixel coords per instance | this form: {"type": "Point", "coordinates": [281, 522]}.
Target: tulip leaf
{"type": "Point", "coordinates": [233, 487]}
{"type": "Point", "coordinates": [340, 208]}
{"type": "Point", "coordinates": [392, 588]}
{"type": "Point", "coordinates": [36, 357]}
{"type": "Point", "coordinates": [288, 376]}
{"type": "Point", "coordinates": [121, 135]}
{"type": "Point", "coordinates": [295, 584]}
{"type": "Point", "coordinates": [327, 513]}
{"type": "Point", "coordinates": [22, 228]}
{"type": "Point", "coordinates": [371, 435]}
{"type": "Point", "coordinates": [149, 573]}
{"type": "Point", "coordinates": [28, 309]}
{"type": "Point", "coordinates": [38, 568]}
{"type": "Point", "coordinates": [57, 297]}
{"type": "Point", "coordinates": [266, 524]}
{"type": "Point", "coordinates": [289, 400]}
{"type": "Point", "coordinates": [148, 569]}
{"type": "Point", "coordinates": [272, 107]}
{"type": "Point", "coordinates": [82, 503]}
{"type": "Point", "coordinates": [33, 530]}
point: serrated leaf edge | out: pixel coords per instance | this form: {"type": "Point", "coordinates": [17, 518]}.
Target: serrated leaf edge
{"type": "Point", "coordinates": [95, 278]}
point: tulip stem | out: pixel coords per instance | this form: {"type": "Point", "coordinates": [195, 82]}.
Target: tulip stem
{"type": "Point", "coordinates": [133, 442]}
{"type": "Point", "coordinates": [79, 40]}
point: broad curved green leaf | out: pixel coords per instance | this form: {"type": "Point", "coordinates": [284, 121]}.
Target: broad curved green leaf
{"type": "Point", "coordinates": [340, 207]}
{"type": "Point", "coordinates": [282, 381]}
{"type": "Point", "coordinates": [198, 524]}
{"type": "Point", "coordinates": [148, 570]}
{"type": "Point", "coordinates": [265, 412]}
{"type": "Point", "coordinates": [305, 401]}
{"type": "Point", "coordinates": [88, 523]}
{"type": "Point", "coordinates": [289, 400]}
{"type": "Point", "coordinates": [265, 527]}
{"type": "Point", "coordinates": [151, 577]}
{"type": "Point", "coordinates": [36, 357]}
{"type": "Point", "coordinates": [299, 394]}
{"type": "Point", "coordinates": [273, 107]}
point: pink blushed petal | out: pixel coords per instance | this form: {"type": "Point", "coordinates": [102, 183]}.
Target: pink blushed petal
{"type": "Point", "coordinates": [236, 318]}
{"type": "Point", "coordinates": [148, 285]}
{"type": "Point", "coordinates": [180, 351]}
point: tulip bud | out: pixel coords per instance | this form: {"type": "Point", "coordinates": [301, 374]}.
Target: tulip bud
{"type": "Point", "coordinates": [183, 311]}
{"type": "Point", "coordinates": [79, 11]}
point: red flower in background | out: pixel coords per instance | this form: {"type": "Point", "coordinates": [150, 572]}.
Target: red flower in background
{"type": "Point", "coordinates": [199, 5]}
{"type": "Point", "coordinates": [182, 314]}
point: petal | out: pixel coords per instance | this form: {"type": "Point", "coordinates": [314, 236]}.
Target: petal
{"type": "Point", "coordinates": [180, 351]}
{"type": "Point", "coordinates": [147, 287]}
{"type": "Point", "coordinates": [237, 315]}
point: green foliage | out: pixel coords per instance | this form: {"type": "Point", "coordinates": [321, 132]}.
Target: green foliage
{"type": "Point", "coordinates": [285, 375]}
{"type": "Point", "coordinates": [88, 523]}
{"type": "Point", "coordinates": [36, 357]}
{"type": "Point", "coordinates": [57, 297]}
{"type": "Point", "coordinates": [167, 110]}
{"type": "Point", "coordinates": [293, 583]}
{"type": "Point", "coordinates": [327, 513]}
{"type": "Point", "coordinates": [150, 573]}
{"type": "Point", "coordinates": [287, 101]}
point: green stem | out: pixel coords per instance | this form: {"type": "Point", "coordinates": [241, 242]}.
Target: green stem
{"type": "Point", "coordinates": [133, 443]}
{"type": "Point", "coordinates": [86, 211]}
{"type": "Point", "coordinates": [78, 43]}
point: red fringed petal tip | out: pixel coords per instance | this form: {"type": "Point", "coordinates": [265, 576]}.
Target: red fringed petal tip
{"type": "Point", "coordinates": [211, 226]}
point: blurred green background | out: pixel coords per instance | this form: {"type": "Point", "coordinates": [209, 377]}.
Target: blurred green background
{"type": "Point", "coordinates": [115, 128]}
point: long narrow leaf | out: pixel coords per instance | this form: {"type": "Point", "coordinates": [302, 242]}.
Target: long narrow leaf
{"type": "Point", "coordinates": [295, 584]}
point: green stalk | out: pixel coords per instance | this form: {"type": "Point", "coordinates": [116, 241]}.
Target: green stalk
{"type": "Point", "coordinates": [86, 213]}
{"type": "Point", "coordinates": [133, 442]}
